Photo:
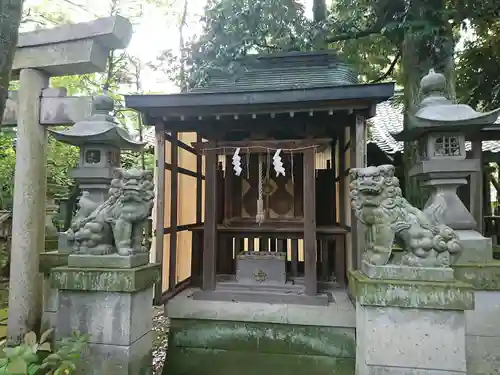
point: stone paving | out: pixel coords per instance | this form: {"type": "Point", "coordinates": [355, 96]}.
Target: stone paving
{"type": "Point", "coordinates": [160, 326]}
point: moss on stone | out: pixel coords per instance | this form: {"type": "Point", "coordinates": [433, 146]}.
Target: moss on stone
{"type": "Point", "coordinates": [411, 294]}
{"type": "Point", "coordinates": [263, 337]}
{"type": "Point", "coordinates": [482, 276]}
{"type": "Point", "coordinates": [105, 280]}
{"type": "Point", "coordinates": [213, 347]}
{"type": "Point", "coordinates": [197, 361]}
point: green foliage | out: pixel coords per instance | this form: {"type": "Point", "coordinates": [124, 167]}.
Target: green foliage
{"type": "Point", "coordinates": [478, 68]}
{"type": "Point", "coordinates": [36, 357]}
{"type": "Point", "coordinates": [7, 167]}
{"type": "Point", "coordinates": [236, 28]}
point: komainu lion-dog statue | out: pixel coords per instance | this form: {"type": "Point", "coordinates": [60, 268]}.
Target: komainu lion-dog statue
{"type": "Point", "coordinates": [388, 217]}
{"type": "Point", "coordinates": [117, 225]}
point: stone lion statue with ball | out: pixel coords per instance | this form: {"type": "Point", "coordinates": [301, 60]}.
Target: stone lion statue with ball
{"type": "Point", "coordinates": [388, 218]}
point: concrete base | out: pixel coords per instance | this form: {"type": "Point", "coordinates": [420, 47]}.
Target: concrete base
{"type": "Point", "coordinates": [396, 341]}
{"type": "Point", "coordinates": [476, 247]}
{"type": "Point", "coordinates": [225, 338]}
{"type": "Point", "coordinates": [410, 326]}
{"type": "Point", "coordinates": [108, 261]}
{"type": "Point", "coordinates": [113, 306]}
{"type": "Point", "coordinates": [483, 334]}
{"type": "Point", "coordinates": [119, 325]}
{"type": "Point", "coordinates": [483, 323]}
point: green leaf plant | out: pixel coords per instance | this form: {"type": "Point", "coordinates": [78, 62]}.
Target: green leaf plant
{"type": "Point", "coordinates": [36, 357]}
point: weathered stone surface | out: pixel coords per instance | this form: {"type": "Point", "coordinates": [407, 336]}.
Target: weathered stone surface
{"type": "Point", "coordinates": [410, 338]}
{"type": "Point", "coordinates": [484, 320]}
{"type": "Point", "coordinates": [105, 280]}
{"type": "Point", "coordinates": [135, 359]}
{"type": "Point", "coordinates": [482, 276]}
{"type": "Point", "coordinates": [108, 261]}
{"type": "Point", "coordinates": [52, 259]}
{"type": "Point", "coordinates": [387, 370]}
{"type": "Point", "coordinates": [55, 108]}
{"type": "Point", "coordinates": [110, 318]}
{"type": "Point", "coordinates": [196, 361]}
{"type": "Point", "coordinates": [228, 347]}
{"type": "Point", "coordinates": [68, 58]}
{"type": "Point", "coordinates": [263, 337]}
{"type": "Point", "coordinates": [483, 334]}
{"type": "Point", "coordinates": [411, 294]}
{"type": "Point", "coordinates": [398, 272]}
{"type": "Point", "coordinates": [72, 49]}
{"type": "Point", "coordinates": [111, 32]}
{"type": "Point", "coordinates": [483, 355]}
{"type": "Point", "coordinates": [477, 248]}
{"type": "Point", "coordinates": [341, 313]}
{"type": "Point", "coordinates": [28, 224]}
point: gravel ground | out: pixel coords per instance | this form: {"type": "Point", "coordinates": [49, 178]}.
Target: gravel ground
{"type": "Point", "coordinates": [160, 326]}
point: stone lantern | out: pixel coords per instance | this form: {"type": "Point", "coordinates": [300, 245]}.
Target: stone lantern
{"type": "Point", "coordinates": [441, 127]}
{"type": "Point", "coordinates": [100, 140]}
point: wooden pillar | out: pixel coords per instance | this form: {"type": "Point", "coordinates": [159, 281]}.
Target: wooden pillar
{"type": "Point", "coordinates": [199, 184]}
{"type": "Point", "coordinates": [228, 189]}
{"type": "Point", "coordinates": [334, 177]}
{"type": "Point", "coordinates": [174, 182]}
{"type": "Point", "coordinates": [159, 209]}
{"type": "Point", "coordinates": [210, 227]}
{"type": "Point", "coordinates": [476, 186]}
{"type": "Point", "coordinates": [310, 253]}
{"type": "Point", "coordinates": [342, 187]}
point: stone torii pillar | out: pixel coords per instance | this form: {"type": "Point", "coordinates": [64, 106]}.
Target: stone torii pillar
{"type": "Point", "coordinates": [67, 50]}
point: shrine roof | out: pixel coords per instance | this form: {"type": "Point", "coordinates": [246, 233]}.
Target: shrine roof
{"type": "Point", "coordinates": [284, 82]}
{"type": "Point", "coordinates": [283, 71]}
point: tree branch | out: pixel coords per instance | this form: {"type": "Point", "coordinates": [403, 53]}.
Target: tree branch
{"type": "Point", "coordinates": [391, 68]}
{"type": "Point", "coordinates": [355, 35]}
{"type": "Point", "coordinates": [266, 46]}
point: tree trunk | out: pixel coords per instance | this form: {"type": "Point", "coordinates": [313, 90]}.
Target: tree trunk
{"type": "Point", "coordinates": [431, 48]}
{"type": "Point", "coordinates": [10, 18]}
{"type": "Point", "coordinates": [320, 14]}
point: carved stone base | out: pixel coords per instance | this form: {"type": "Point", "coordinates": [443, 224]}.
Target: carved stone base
{"type": "Point", "coordinates": [108, 261]}
{"type": "Point", "coordinates": [398, 272]}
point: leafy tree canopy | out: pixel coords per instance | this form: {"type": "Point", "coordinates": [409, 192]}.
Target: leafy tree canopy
{"type": "Point", "coordinates": [368, 34]}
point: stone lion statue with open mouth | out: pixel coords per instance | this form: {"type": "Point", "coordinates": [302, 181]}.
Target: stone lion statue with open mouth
{"type": "Point", "coordinates": [388, 217]}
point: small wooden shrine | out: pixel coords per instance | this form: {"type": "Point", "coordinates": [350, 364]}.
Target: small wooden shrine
{"type": "Point", "coordinates": [277, 138]}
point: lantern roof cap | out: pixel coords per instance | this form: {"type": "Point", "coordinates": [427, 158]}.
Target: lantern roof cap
{"type": "Point", "coordinates": [99, 128]}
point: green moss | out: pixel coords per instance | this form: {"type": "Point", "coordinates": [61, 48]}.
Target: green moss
{"type": "Point", "coordinates": [482, 276]}
{"type": "Point", "coordinates": [105, 280]}
{"type": "Point", "coordinates": [263, 337]}
{"type": "Point", "coordinates": [411, 294]}
{"type": "Point", "coordinates": [196, 361]}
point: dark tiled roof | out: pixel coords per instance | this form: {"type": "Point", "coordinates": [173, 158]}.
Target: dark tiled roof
{"type": "Point", "coordinates": [389, 119]}
{"type": "Point", "coordinates": [292, 70]}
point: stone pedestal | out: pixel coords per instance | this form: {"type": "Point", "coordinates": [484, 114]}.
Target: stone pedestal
{"type": "Point", "coordinates": [483, 323]}
{"type": "Point", "coordinates": [226, 337]}
{"type": "Point", "coordinates": [477, 248]}
{"type": "Point", "coordinates": [114, 306]}
{"type": "Point", "coordinates": [410, 326]}
{"type": "Point", "coordinates": [48, 261]}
